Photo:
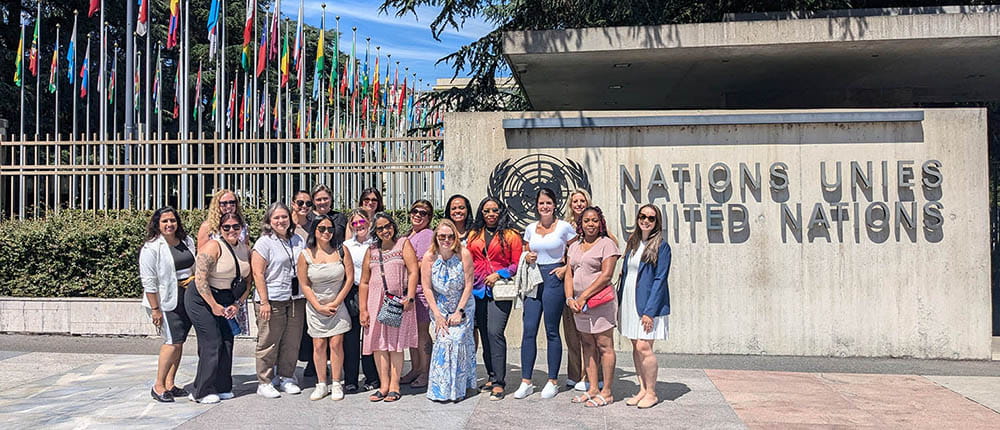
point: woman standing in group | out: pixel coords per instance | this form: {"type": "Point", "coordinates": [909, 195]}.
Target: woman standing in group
{"type": "Point", "coordinates": [547, 239]}
{"type": "Point", "coordinates": [327, 275]}
{"type": "Point", "coordinates": [302, 205]}
{"type": "Point", "coordinates": [223, 202]}
{"type": "Point", "coordinates": [447, 269]}
{"type": "Point", "coordinates": [358, 245]}
{"type": "Point", "coordinates": [279, 306]}
{"type": "Point", "coordinates": [322, 202]}
{"type": "Point", "coordinates": [421, 236]}
{"type": "Point", "coordinates": [166, 267]}
{"type": "Point", "coordinates": [592, 259]}
{"type": "Point", "coordinates": [496, 249]}
{"type": "Point", "coordinates": [389, 279]}
{"type": "Point", "coordinates": [371, 202]}
{"type": "Point", "coordinates": [221, 272]}
{"type": "Point", "coordinates": [579, 200]}
{"type": "Point", "coordinates": [645, 299]}
{"type": "Point", "coordinates": [457, 210]}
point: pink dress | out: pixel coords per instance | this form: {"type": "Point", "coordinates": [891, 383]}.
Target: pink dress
{"type": "Point", "coordinates": [421, 242]}
{"type": "Point", "coordinates": [586, 268]}
{"type": "Point", "coordinates": [378, 336]}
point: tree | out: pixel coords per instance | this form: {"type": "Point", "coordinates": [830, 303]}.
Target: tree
{"type": "Point", "coordinates": [483, 58]}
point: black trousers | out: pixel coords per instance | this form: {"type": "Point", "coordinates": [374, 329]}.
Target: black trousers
{"type": "Point", "coordinates": [215, 343]}
{"type": "Point", "coordinates": [353, 357]}
{"type": "Point", "coordinates": [491, 321]}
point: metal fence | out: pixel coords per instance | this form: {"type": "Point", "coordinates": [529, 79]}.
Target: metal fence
{"type": "Point", "coordinates": [43, 175]}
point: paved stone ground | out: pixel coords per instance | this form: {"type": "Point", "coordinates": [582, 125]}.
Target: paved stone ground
{"type": "Point", "coordinates": [73, 382]}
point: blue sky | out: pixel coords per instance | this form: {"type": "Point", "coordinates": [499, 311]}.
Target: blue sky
{"type": "Point", "coordinates": [407, 38]}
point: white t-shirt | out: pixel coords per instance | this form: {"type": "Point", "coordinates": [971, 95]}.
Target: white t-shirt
{"type": "Point", "coordinates": [552, 246]}
{"type": "Point", "coordinates": [281, 257]}
{"type": "Point", "coordinates": [358, 251]}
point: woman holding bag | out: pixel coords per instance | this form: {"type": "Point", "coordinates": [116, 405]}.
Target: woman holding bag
{"type": "Point", "coordinates": [592, 260]}
{"type": "Point", "coordinates": [388, 288]}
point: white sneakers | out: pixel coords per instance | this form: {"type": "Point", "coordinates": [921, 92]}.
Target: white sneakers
{"type": "Point", "coordinates": [550, 390]}
{"type": "Point", "coordinates": [211, 398]}
{"type": "Point", "coordinates": [268, 391]}
{"type": "Point", "coordinates": [336, 391]}
{"type": "Point", "coordinates": [288, 385]}
{"type": "Point", "coordinates": [571, 383]}
{"type": "Point", "coordinates": [320, 391]}
{"type": "Point", "coordinates": [524, 390]}
{"type": "Point", "coordinates": [226, 396]}
{"type": "Point", "coordinates": [584, 386]}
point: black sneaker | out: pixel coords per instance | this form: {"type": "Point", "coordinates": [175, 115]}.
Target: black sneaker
{"type": "Point", "coordinates": [350, 388]}
{"type": "Point", "coordinates": [166, 397]}
{"type": "Point", "coordinates": [372, 386]}
{"type": "Point", "coordinates": [178, 392]}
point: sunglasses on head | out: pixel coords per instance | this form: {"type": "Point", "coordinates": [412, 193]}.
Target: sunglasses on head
{"type": "Point", "coordinates": [644, 217]}
{"type": "Point", "coordinates": [491, 210]}
{"type": "Point", "coordinates": [306, 203]}
{"type": "Point", "coordinates": [421, 212]}
{"type": "Point", "coordinates": [233, 227]}
{"type": "Point", "coordinates": [227, 203]}
{"type": "Point", "coordinates": [324, 229]}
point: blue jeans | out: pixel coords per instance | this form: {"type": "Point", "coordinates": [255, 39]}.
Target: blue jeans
{"type": "Point", "coordinates": [549, 302]}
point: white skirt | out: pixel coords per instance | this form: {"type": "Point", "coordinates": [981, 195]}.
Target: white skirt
{"type": "Point", "coordinates": [631, 322]}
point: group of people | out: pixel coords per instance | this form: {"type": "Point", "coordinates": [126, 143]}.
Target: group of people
{"type": "Point", "coordinates": [354, 291]}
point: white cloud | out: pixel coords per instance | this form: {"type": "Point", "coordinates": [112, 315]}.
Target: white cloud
{"type": "Point", "coordinates": [368, 11]}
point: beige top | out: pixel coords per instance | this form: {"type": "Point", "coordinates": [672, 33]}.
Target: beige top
{"type": "Point", "coordinates": [225, 268]}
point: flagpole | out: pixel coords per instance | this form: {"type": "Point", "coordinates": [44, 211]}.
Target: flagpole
{"type": "Point", "coordinates": [21, 70]}
{"type": "Point", "coordinates": [253, 68]}
{"type": "Point", "coordinates": [87, 107]}
{"type": "Point", "coordinates": [129, 89]}
{"type": "Point", "coordinates": [149, 67]}
{"type": "Point", "coordinates": [38, 76]}
{"type": "Point", "coordinates": [111, 91]}
{"type": "Point", "coordinates": [72, 70]}
{"type": "Point", "coordinates": [336, 91]}
{"type": "Point", "coordinates": [100, 83]}
{"type": "Point", "coordinates": [55, 74]}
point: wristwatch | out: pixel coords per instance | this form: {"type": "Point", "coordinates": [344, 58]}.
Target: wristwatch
{"type": "Point", "coordinates": [462, 311]}
{"type": "Point", "coordinates": [409, 300]}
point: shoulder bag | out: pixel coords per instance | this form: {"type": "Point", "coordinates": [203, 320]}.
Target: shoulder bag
{"type": "Point", "coordinates": [391, 312]}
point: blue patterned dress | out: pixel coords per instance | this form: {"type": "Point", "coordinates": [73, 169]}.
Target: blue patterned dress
{"type": "Point", "coordinates": [453, 361]}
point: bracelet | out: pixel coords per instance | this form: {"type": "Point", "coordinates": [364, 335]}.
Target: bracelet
{"type": "Point", "coordinates": [154, 309]}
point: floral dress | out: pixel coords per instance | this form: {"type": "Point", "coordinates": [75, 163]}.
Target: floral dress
{"type": "Point", "coordinates": [453, 360]}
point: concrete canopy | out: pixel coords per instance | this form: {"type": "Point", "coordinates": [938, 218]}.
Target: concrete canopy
{"type": "Point", "coordinates": [881, 59]}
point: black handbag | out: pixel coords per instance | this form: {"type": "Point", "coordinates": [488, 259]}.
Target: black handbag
{"type": "Point", "coordinates": [239, 284]}
{"type": "Point", "coordinates": [391, 312]}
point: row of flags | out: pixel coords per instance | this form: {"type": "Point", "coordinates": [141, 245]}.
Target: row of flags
{"type": "Point", "coordinates": [370, 99]}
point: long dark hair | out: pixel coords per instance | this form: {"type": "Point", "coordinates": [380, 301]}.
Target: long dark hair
{"type": "Point", "coordinates": [338, 234]}
{"type": "Point", "coordinates": [153, 228]}
{"type": "Point", "coordinates": [469, 216]}
{"type": "Point", "coordinates": [377, 193]}
{"type": "Point", "coordinates": [395, 228]}
{"type": "Point", "coordinates": [479, 225]}
{"type": "Point", "coordinates": [655, 237]}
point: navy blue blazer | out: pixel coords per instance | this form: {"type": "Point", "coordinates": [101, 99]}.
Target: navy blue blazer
{"type": "Point", "coordinates": [652, 293]}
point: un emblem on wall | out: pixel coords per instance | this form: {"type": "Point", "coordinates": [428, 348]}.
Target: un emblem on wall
{"type": "Point", "coordinates": [516, 183]}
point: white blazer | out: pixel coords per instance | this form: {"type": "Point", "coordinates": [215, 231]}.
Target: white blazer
{"type": "Point", "coordinates": [156, 269]}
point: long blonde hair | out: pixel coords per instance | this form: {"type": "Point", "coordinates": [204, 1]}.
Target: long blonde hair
{"type": "Point", "coordinates": [214, 217]}
{"type": "Point", "coordinates": [570, 216]}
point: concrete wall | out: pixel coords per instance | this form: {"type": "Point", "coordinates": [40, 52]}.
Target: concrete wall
{"type": "Point", "coordinates": [858, 291]}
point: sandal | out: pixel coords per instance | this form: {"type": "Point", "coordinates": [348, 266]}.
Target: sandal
{"type": "Point", "coordinates": [416, 384]}
{"type": "Point", "coordinates": [583, 398]}
{"type": "Point", "coordinates": [632, 401]}
{"type": "Point", "coordinates": [487, 387]}
{"type": "Point", "coordinates": [640, 406]}
{"type": "Point", "coordinates": [597, 402]}
{"type": "Point", "coordinates": [497, 395]}
{"type": "Point", "coordinates": [377, 396]}
{"type": "Point", "coordinates": [392, 397]}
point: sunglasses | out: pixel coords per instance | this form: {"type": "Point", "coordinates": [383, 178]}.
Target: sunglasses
{"type": "Point", "coordinates": [446, 237]}
{"type": "Point", "coordinates": [324, 229]}
{"type": "Point", "coordinates": [644, 217]}
{"type": "Point", "coordinates": [358, 223]}
{"type": "Point", "coordinates": [491, 211]}
{"type": "Point", "coordinates": [379, 229]}
{"type": "Point", "coordinates": [369, 200]}
{"type": "Point", "coordinates": [306, 203]}
{"type": "Point", "coordinates": [233, 227]}
{"type": "Point", "coordinates": [227, 203]}
{"type": "Point", "coordinates": [420, 212]}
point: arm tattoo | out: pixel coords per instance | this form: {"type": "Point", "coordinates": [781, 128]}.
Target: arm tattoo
{"type": "Point", "coordinates": [203, 265]}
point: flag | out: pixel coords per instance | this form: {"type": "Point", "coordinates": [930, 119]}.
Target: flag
{"type": "Point", "coordinates": [136, 89]}
{"type": "Point", "coordinates": [54, 69]}
{"type": "Point", "coordinates": [284, 63]}
{"type": "Point", "coordinates": [71, 57]}
{"type": "Point", "coordinates": [275, 27]}
{"type": "Point", "coordinates": [213, 29]}
{"type": "Point", "coordinates": [215, 101]}
{"type": "Point", "coordinates": [95, 5]}
{"type": "Point", "coordinates": [197, 93]}
{"type": "Point", "coordinates": [343, 81]}
{"type": "Point", "coordinates": [173, 28]}
{"type": "Point", "coordinates": [274, 113]}
{"type": "Point", "coordinates": [111, 81]}
{"type": "Point", "coordinates": [140, 22]}
{"type": "Point", "coordinates": [177, 90]}
{"type": "Point", "coordinates": [262, 52]}
{"type": "Point", "coordinates": [156, 83]}
{"type": "Point", "coordinates": [375, 88]}
{"type": "Point", "coordinates": [364, 76]}
{"type": "Point", "coordinates": [231, 107]}
{"type": "Point", "coordinates": [353, 71]}
{"type": "Point", "coordinates": [319, 63]}
{"type": "Point", "coordinates": [33, 52]}
{"type": "Point", "coordinates": [248, 34]}
{"type": "Point", "coordinates": [85, 72]}
{"type": "Point", "coordinates": [262, 115]}
{"type": "Point", "coordinates": [402, 96]}
{"type": "Point", "coordinates": [244, 106]}
{"type": "Point", "coordinates": [297, 55]}
{"type": "Point", "coordinates": [19, 60]}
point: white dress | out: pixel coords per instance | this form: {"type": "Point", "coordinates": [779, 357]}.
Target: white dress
{"type": "Point", "coordinates": [631, 322]}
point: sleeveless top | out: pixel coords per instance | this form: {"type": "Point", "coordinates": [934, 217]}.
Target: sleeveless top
{"type": "Point", "coordinates": [225, 268]}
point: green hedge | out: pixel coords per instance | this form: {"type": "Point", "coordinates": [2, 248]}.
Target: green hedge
{"type": "Point", "coordinates": [87, 254]}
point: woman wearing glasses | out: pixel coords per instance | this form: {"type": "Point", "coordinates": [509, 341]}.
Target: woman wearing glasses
{"type": "Point", "coordinates": [302, 205]}
{"type": "Point", "coordinates": [371, 202]}
{"type": "Point", "coordinates": [222, 269]}
{"type": "Point", "coordinates": [322, 203]}
{"type": "Point", "coordinates": [421, 236]}
{"type": "Point", "coordinates": [327, 275]}
{"type": "Point", "coordinates": [358, 244]}
{"type": "Point", "coordinates": [447, 270]}
{"type": "Point", "coordinates": [495, 249]}
{"type": "Point", "coordinates": [223, 202]}
{"type": "Point", "coordinates": [645, 299]}
{"type": "Point", "coordinates": [389, 278]}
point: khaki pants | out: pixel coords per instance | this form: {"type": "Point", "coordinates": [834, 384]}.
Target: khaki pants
{"type": "Point", "coordinates": [574, 348]}
{"type": "Point", "coordinates": [278, 339]}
